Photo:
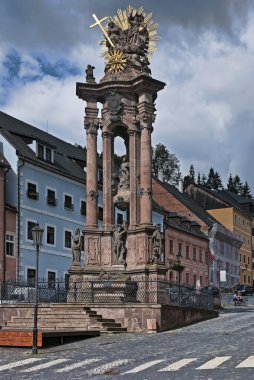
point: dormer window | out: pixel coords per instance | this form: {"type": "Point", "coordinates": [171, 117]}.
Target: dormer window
{"type": "Point", "coordinates": [44, 153]}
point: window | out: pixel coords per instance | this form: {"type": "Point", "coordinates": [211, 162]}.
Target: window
{"type": "Point", "coordinates": [31, 277]}
{"type": "Point", "coordinates": [51, 197]}
{"type": "Point", "coordinates": [67, 239]}
{"type": "Point", "coordinates": [100, 213]}
{"type": "Point", "coordinates": [201, 281]}
{"type": "Point", "coordinates": [50, 235]}
{"type": "Point", "coordinates": [48, 154]}
{"type": "Point", "coordinates": [194, 254]}
{"type": "Point", "coordinates": [30, 225]}
{"type": "Point", "coordinates": [32, 191]}
{"type": "Point", "coordinates": [187, 251]}
{"type": "Point", "coordinates": [40, 151]}
{"type": "Point", "coordinates": [179, 248]}
{"type": "Point", "coordinates": [9, 248]}
{"type": "Point", "coordinates": [83, 208]}
{"type": "Point", "coordinates": [187, 279]}
{"type": "Point", "coordinates": [51, 279]}
{"type": "Point", "coordinates": [171, 247]}
{"type": "Point", "coordinates": [119, 218]}
{"type": "Point", "coordinates": [68, 202]}
{"type": "Point", "coordinates": [194, 280]}
{"type": "Point", "coordinates": [200, 256]}
{"type": "Point", "coordinates": [44, 153]}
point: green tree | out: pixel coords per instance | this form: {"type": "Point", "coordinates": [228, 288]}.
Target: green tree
{"type": "Point", "coordinates": [237, 184]}
{"type": "Point", "coordinates": [203, 180]}
{"type": "Point", "coordinates": [246, 191]}
{"type": "Point", "coordinates": [230, 184]}
{"type": "Point", "coordinates": [190, 178]}
{"type": "Point", "coordinates": [167, 164]}
{"type": "Point", "coordinates": [214, 180]}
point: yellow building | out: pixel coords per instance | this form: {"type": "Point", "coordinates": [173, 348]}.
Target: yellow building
{"type": "Point", "coordinates": [240, 223]}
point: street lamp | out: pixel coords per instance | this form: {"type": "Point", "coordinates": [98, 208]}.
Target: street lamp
{"type": "Point", "coordinates": [37, 234]}
{"type": "Point", "coordinates": [179, 269]}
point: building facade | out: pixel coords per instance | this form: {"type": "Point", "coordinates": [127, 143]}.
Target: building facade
{"type": "Point", "coordinates": [236, 214]}
{"type": "Point", "coordinates": [175, 201]}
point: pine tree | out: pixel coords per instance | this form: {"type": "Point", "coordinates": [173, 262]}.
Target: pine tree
{"type": "Point", "coordinates": [203, 180]}
{"type": "Point", "coordinates": [246, 191]}
{"type": "Point", "coordinates": [237, 184]}
{"type": "Point", "coordinates": [217, 182]}
{"type": "Point", "coordinates": [199, 179]}
{"type": "Point", "coordinates": [192, 173]}
{"type": "Point", "coordinates": [230, 184]}
{"type": "Point", "coordinates": [210, 178]}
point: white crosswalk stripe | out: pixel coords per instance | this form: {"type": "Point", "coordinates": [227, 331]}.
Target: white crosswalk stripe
{"type": "Point", "coordinates": [214, 363]}
{"type": "Point", "coordinates": [247, 363]}
{"type": "Point", "coordinates": [18, 363]}
{"type": "Point", "coordinates": [143, 366]}
{"type": "Point", "coordinates": [107, 367]}
{"type": "Point", "coordinates": [73, 366]}
{"type": "Point", "coordinates": [45, 365]}
{"type": "Point", "coordinates": [177, 365]}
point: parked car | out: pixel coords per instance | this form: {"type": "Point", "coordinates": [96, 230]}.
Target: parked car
{"type": "Point", "coordinates": [245, 290]}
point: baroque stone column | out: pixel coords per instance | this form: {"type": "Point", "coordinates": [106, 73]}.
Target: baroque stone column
{"type": "Point", "coordinates": [91, 126]}
{"type": "Point", "coordinates": [108, 217]}
{"type": "Point", "coordinates": [134, 175]}
{"type": "Point", "coordinates": [146, 109]}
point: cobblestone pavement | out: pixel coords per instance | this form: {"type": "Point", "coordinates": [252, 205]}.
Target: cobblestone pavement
{"type": "Point", "coordinates": [217, 349]}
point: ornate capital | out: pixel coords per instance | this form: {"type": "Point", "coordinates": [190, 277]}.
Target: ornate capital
{"type": "Point", "coordinates": [91, 125]}
{"type": "Point", "coordinates": [145, 192]}
{"type": "Point", "coordinates": [148, 127]}
{"type": "Point", "coordinates": [93, 195]}
{"type": "Point", "coordinates": [107, 135]}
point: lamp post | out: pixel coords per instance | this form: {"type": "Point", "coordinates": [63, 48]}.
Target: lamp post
{"type": "Point", "coordinates": [180, 269]}
{"type": "Point", "coordinates": [37, 234]}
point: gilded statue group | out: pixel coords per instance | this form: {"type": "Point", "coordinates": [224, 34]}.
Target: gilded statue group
{"type": "Point", "coordinates": [133, 41]}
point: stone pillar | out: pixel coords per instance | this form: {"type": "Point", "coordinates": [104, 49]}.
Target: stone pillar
{"type": "Point", "coordinates": [91, 126]}
{"type": "Point", "coordinates": [108, 210]}
{"type": "Point", "coordinates": [134, 173]}
{"type": "Point", "coordinates": [146, 109]}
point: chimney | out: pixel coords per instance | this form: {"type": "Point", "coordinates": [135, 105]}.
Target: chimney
{"type": "Point", "coordinates": [160, 175]}
{"type": "Point", "coordinates": [180, 185]}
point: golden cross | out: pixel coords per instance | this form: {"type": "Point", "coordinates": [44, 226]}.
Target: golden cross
{"type": "Point", "coordinates": [98, 22]}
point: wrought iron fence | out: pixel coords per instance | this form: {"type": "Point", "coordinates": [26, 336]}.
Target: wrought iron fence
{"type": "Point", "coordinates": [106, 291]}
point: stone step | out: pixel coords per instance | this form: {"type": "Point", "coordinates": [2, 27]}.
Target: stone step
{"type": "Point", "coordinates": [111, 324]}
{"type": "Point", "coordinates": [115, 329]}
{"type": "Point", "coordinates": [105, 320]}
{"type": "Point", "coordinates": [62, 311]}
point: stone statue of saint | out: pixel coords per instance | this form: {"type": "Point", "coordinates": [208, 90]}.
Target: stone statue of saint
{"type": "Point", "coordinates": [119, 243]}
{"type": "Point", "coordinates": [89, 73]}
{"type": "Point", "coordinates": [76, 246]}
{"type": "Point", "coordinates": [124, 176]}
{"type": "Point", "coordinates": [156, 244]}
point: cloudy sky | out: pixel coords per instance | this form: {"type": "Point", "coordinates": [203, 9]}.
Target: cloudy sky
{"type": "Point", "coordinates": [205, 115]}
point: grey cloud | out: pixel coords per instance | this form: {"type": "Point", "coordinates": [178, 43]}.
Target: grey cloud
{"type": "Point", "coordinates": [58, 25]}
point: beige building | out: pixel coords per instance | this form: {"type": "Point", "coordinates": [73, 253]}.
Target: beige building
{"type": "Point", "coordinates": [240, 223]}
{"type": "Point", "coordinates": [236, 214]}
